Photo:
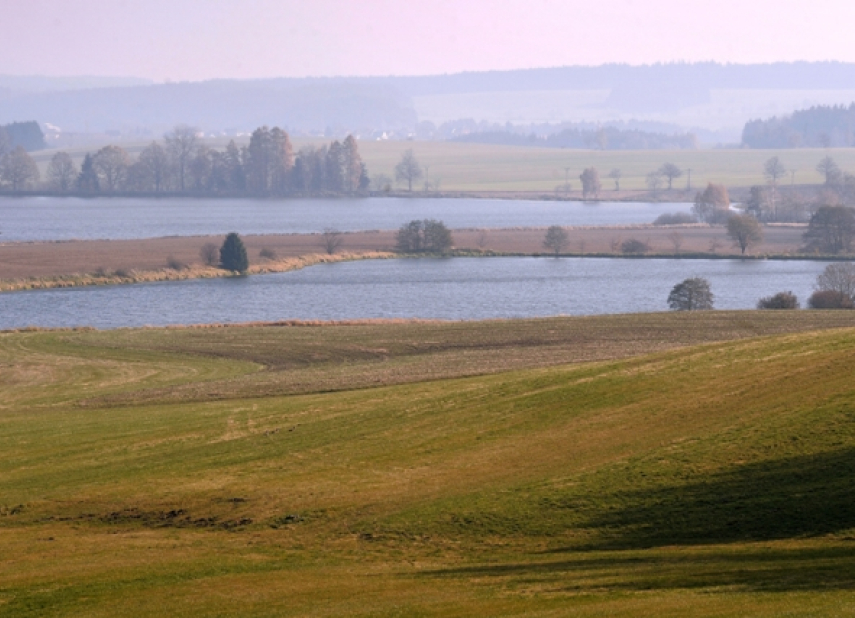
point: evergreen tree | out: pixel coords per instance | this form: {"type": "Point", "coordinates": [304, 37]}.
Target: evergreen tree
{"type": "Point", "coordinates": [88, 181]}
{"type": "Point", "coordinates": [354, 169]}
{"type": "Point", "coordinates": [233, 254]}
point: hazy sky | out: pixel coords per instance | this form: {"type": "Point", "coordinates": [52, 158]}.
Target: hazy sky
{"type": "Point", "coordinates": [202, 39]}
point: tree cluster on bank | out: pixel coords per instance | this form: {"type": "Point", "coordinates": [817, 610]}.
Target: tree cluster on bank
{"type": "Point", "coordinates": [28, 135]}
{"type": "Point", "coordinates": [424, 236]}
{"type": "Point", "coordinates": [819, 126]}
{"type": "Point", "coordinates": [183, 163]}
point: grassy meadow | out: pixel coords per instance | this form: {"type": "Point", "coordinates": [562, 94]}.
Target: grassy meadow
{"type": "Point", "coordinates": [635, 465]}
{"type": "Point", "coordinates": [490, 168]}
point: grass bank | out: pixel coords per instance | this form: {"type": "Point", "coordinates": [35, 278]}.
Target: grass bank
{"type": "Point", "coordinates": [678, 465]}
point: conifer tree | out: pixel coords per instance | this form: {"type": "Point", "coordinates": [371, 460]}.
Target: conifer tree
{"type": "Point", "coordinates": [233, 254]}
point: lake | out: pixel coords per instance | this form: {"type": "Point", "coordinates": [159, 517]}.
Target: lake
{"type": "Point", "coordinates": [66, 218]}
{"type": "Point", "coordinates": [443, 288]}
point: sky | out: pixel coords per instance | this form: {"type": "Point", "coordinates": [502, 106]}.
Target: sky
{"type": "Point", "coordinates": [177, 40]}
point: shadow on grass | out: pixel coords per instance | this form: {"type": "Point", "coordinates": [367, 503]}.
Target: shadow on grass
{"type": "Point", "coordinates": [691, 536]}
{"type": "Point", "coordinates": [786, 498]}
{"type": "Point", "coordinates": [749, 569]}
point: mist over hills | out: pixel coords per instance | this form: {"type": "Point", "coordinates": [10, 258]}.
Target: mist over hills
{"type": "Point", "coordinates": [713, 100]}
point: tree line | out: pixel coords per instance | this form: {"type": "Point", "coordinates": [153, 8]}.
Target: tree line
{"type": "Point", "coordinates": [183, 163]}
{"type": "Point", "coordinates": [818, 126]}
{"type": "Point", "coordinates": [603, 138]}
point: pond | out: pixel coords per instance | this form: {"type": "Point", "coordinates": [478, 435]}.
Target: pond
{"type": "Point", "coordinates": [452, 288]}
{"type": "Point", "coordinates": [66, 218]}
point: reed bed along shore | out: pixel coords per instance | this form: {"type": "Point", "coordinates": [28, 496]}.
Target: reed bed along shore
{"type": "Point", "coordinates": [190, 271]}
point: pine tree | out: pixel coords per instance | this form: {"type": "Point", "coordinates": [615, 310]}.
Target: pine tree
{"type": "Point", "coordinates": [88, 181]}
{"type": "Point", "coordinates": [233, 254]}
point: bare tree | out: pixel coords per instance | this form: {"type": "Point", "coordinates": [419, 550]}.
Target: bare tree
{"type": "Point", "coordinates": [616, 175]}
{"type": "Point", "coordinates": [838, 278]}
{"type": "Point", "coordinates": [773, 169]}
{"type": "Point", "coordinates": [556, 239]}
{"type": "Point", "coordinates": [670, 171]}
{"type": "Point", "coordinates": [744, 230]}
{"type": "Point", "coordinates": [62, 172]}
{"type": "Point", "coordinates": [590, 183]}
{"type": "Point", "coordinates": [676, 239]}
{"type": "Point", "coordinates": [18, 169]}
{"type": "Point", "coordinates": [111, 163]}
{"type": "Point", "coordinates": [155, 166]}
{"type": "Point", "coordinates": [180, 144]}
{"type": "Point", "coordinates": [210, 254]}
{"type": "Point", "coordinates": [828, 168]}
{"type": "Point", "coordinates": [713, 204]}
{"type": "Point", "coordinates": [331, 240]}
{"type": "Point", "coordinates": [654, 181]}
{"type": "Point", "coordinates": [408, 169]}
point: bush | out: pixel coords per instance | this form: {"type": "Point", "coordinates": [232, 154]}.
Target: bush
{"type": "Point", "coordinates": [210, 254]}
{"type": "Point", "coordinates": [633, 246]}
{"type": "Point", "coordinates": [233, 254]}
{"type": "Point", "coordinates": [175, 264]}
{"type": "Point", "coordinates": [674, 218]}
{"type": "Point", "coordinates": [781, 300]}
{"type": "Point", "coordinates": [829, 299]}
{"type": "Point", "coordinates": [267, 254]}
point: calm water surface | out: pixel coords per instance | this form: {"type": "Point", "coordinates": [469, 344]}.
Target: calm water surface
{"type": "Point", "coordinates": [454, 288]}
{"type": "Point", "coordinates": [55, 218]}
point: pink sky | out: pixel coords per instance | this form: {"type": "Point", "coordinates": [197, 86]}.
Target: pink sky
{"type": "Point", "coordinates": [203, 39]}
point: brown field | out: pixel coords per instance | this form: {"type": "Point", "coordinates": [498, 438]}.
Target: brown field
{"type": "Point", "coordinates": [46, 260]}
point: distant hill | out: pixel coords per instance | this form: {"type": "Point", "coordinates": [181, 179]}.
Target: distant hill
{"type": "Point", "coordinates": [708, 96]}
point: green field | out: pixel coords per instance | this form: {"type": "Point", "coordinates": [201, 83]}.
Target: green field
{"type": "Point", "coordinates": [477, 167]}
{"type": "Point", "coordinates": [636, 465]}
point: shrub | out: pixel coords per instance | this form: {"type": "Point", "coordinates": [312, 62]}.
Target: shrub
{"type": "Point", "coordinates": [175, 264]}
{"type": "Point", "coordinates": [781, 300]}
{"type": "Point", "coordinates": [210, 254]}
{"type": "Point", "coordinates": [674, 218]}
{"type": "Point", "coordinates": [829, 299]}
{"type": "Point", "coordinates": [331, 240]}
{"type": "Point", "coordinates": [633, 246]}
{"type": "Point", "coordinates": [267, 254]}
